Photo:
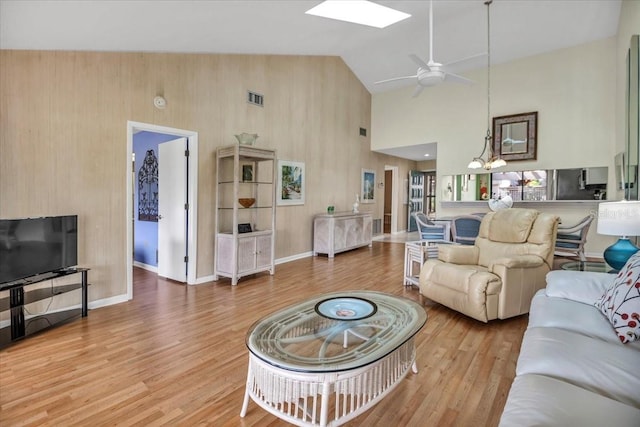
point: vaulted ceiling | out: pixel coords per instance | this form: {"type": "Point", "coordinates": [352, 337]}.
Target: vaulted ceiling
{"type": "Point", "coordinates": [519, 28]}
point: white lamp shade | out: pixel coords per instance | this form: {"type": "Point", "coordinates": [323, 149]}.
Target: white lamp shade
{"type": "Point", "coordinates": [475, 164]}
{"type": "Point", "coordinates": [619, 218]}
{"type": "Point", "coordinates": [498, 163]}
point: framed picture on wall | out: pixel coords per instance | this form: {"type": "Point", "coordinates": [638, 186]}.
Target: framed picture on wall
{"type": "Point", "coordinates": [367, 193]}
{"type": "Point", "coordinates": [291, 189]}
{"type": "Point", "coordinates": [515, 137]}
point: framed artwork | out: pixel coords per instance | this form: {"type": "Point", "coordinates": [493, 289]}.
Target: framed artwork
{"type": "Point", "coordinates": [515, 137]}
{"type": "Point", "coordinates": [148, 188]}
{"type": "Point", "coordinates": [291, 190]}
{"type": "Point", "coordinates": [247, 173]}
{"type": "Point", "coordinates": [367, 193]}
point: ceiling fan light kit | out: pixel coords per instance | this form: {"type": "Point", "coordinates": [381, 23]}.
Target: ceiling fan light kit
{"type": "Point", "coordinates": [492, 161]}
{"type": "Point", "coordinates": [430, 78]}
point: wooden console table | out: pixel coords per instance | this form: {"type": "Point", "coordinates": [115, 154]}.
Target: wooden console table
{"type": "Point", "coordinates": [20, 326]}
{"type": "Point", "coordinates": [339, 232]}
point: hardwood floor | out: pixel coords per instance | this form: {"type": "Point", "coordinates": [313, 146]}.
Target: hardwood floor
{"type": "Point", "coordinates": [175, 354]}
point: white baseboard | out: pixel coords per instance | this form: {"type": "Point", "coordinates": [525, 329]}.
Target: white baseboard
{"type": "Point", "coordinates": [294, 257]}
{"type": "Point", "coordinates": [108, 301]}
{"type": "Point", "coordinates": [201, 280]}
{"type": "Point", "coordinates": [145, 266]}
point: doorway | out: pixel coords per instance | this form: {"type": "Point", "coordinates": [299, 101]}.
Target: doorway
{"type": "Point", "coordinates": [390, 199]}
{"type": "Point", "coordinates": [190, 196]}
{"type": "Point", "coordinates": [388, 186]}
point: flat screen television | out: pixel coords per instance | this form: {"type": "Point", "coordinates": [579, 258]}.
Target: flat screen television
{"type": "Point", "coordinates": [33, 246]}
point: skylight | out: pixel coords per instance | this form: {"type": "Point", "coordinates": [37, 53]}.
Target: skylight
{"type": "Point", "coordinates": [359, 12]}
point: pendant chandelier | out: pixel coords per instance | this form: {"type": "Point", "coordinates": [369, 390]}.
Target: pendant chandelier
{"type": "Point", "coordinates": [491, 161]}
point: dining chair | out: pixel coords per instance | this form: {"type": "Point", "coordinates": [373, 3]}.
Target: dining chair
{"type": "Point", "coordinates": [465, 229]}
{"type": "Point", "coordinates": [570, 240]}
{"type": "Point", "coordinates": [429, 230]}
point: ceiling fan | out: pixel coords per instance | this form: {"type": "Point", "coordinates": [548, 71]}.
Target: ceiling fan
{"type": "Point", "coordinates": [432, 73]}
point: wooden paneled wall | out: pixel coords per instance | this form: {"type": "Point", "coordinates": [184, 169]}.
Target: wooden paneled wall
{"type": "Point", "coordinates": [63, 130]}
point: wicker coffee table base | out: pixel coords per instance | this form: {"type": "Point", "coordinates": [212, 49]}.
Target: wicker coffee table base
{"type": "Point", "coordinates": [325, 398]}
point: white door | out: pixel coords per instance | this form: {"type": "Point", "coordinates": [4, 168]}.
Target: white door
{"type": "Point", "coordinates": [172, 215]}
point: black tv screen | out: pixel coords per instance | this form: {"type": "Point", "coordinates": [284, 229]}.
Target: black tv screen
{"type": "Point", "coordinates": [33, 246]}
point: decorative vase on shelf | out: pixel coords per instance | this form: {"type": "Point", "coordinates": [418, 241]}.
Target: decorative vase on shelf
{"type": "Point", "coordinates": [247, 138]}
{"type": "Point", "coordinates": [356, 204]}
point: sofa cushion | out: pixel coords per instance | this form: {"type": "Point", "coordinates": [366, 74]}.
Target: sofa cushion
{"type": "Point", "coordinates": [584, 319]}
{"type": "Point", "coordinates": [581, 286]}
{"type": "Point", "coordinates": [620, 303]}
{"type": "Point", "coordinates": [536, 400]}
{"type": "Point", "coordinates": [594, 365]}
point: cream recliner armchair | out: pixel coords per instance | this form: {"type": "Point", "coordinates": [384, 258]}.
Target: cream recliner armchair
{"type": "Point", "coordinates": [497, 277]}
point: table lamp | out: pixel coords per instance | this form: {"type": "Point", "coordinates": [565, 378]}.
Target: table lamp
{"type": "Point", "coordinates": [619, 219]}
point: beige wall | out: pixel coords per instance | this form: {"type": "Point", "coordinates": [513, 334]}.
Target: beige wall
{"type": "Point", "coordinates": [427, 165]}
{"type": "Point", "coordinates": [63, 123]}
{"type": "Point", "coordinates": [573, 91]}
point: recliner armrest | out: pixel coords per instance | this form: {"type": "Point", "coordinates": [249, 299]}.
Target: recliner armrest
{"type": "Point", "coordinates": [518, 261]}
{"type": "Point", "coordinates": [458, 254]}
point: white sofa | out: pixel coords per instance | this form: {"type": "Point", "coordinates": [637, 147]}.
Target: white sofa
{"type": "Point", "coordinates": [572, 369]}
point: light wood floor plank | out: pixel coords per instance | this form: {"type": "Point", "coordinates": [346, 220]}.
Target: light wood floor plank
{"type": "Point", "coordinates": [175, 355]}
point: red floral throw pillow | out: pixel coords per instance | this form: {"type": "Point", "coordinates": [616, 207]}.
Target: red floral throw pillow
{"type": "Point", "coordinates": [621, 302]}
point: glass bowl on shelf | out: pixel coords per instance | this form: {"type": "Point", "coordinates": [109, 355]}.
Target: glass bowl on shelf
{"type": "Point", "coordinates": [247, 138]}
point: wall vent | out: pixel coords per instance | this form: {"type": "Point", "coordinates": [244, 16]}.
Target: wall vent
{"type": "Point", "coordinates": [255, 98]}
{"type": "Point", "coordinates": [377, 227]}
{"type": "Point", "coordinates": [363, 132]}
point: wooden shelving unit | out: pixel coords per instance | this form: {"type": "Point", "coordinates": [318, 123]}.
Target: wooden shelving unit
{"type": "Point", "coordinates": [244, 171]}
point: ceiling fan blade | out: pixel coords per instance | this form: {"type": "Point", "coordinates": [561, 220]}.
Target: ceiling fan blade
{"type": "Point", "coordinates": [418, 90]}
{"type": "Point", "coordinates": [477, 55]}
{"type": "Point", "coordinates": [419, 62]}
{"type": "Point", "coordinates": [397, 78]}
{"type": "Point", "coordinates": [456, 78]}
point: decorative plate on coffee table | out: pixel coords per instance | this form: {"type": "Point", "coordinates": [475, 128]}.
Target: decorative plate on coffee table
{"type": "Point", "coordinates": [346, 308]}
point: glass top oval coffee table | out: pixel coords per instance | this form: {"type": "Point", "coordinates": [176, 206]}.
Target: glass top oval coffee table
{"type": "Point", "coordinates": [328, 359]}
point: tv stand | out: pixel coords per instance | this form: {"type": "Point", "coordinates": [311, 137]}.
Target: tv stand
{"type": "Point", "coordinates": [19, 326]}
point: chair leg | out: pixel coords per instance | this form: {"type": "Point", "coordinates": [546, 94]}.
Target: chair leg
{"type": "Point", "coordinates": [583, 258]}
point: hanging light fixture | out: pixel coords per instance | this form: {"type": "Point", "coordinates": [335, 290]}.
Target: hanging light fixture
{"type": "Point", "coordinates": [492, 161]}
